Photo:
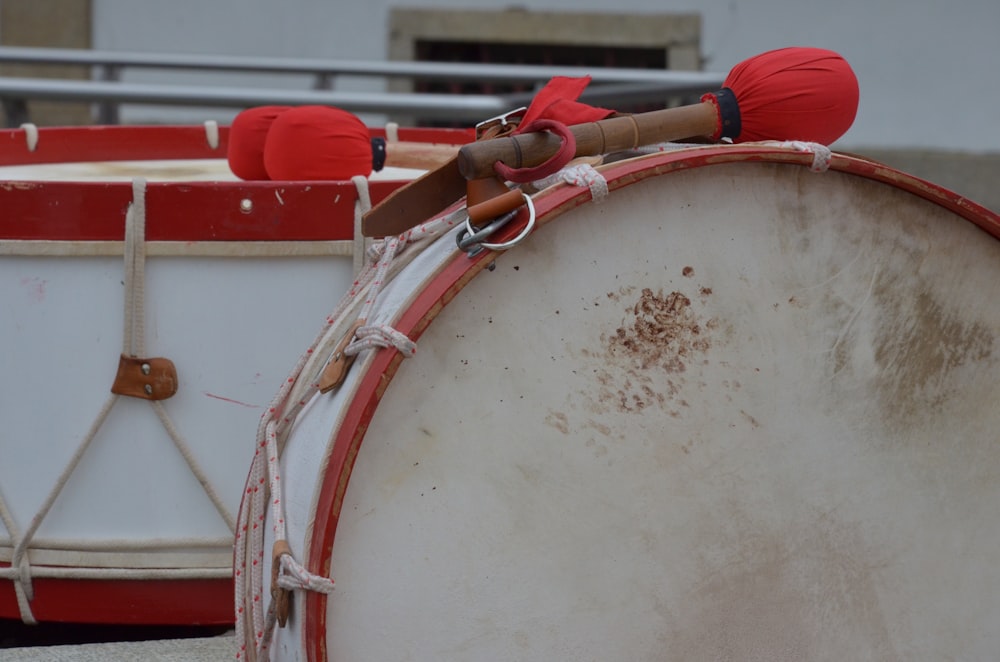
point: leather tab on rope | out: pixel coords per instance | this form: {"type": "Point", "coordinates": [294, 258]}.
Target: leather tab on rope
{"type": "Point", "coordinates": [146, 378]}
{"type": "Point", "coordinates": [335, 371]}
{"type": "Point", "coordinates": [281, 597]}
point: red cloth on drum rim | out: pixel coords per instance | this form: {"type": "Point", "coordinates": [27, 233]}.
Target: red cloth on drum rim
{"type": "Point", "coordinates": [317, 143]}
{"type": "Point", "coordinates": [247, 134]}
{"type": "Point", "coordinates": [796, 93]}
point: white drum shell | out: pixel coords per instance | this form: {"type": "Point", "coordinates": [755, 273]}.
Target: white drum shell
{"type": "Point", "coordinates": [236, 275]}
{"type": "Point", "coordinates": [132, 484]}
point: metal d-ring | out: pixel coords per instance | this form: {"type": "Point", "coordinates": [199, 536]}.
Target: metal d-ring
{"type": "Point", "coordinates": [473, 237]}
{"type": "Point", "coordinates": [472, 242]}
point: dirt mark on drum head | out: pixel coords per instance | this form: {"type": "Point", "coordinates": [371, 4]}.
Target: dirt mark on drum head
{"type": "Point", "coordinates": [660, 333]}
{"type": "Point", "coordinates": [766, 593]}
{"type": "Point", "coordinates": [919, 352]}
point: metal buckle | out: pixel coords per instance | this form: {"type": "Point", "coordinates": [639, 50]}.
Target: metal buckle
{"type": "Point", "coordinates": [472, 240]}
{"type": "Point", "coordinates": [501, 122]}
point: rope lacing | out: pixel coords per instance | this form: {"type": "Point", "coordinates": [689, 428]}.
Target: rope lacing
{"type": "Point", "coordinates": [579, 174]}
{"type": "Point", "coordinates": [133, 344]}
{"type": "Point", "coordinates": [294, 576]}
{"type": "Point", "coordinates": [821, 153]}
{"type": "Point", "coordinates": [380, 335]}
{"type": "Point", "coordinates": [384, 259]}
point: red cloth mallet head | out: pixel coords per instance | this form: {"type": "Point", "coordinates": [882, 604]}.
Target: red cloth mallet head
{"type": "Point", "coordinates": [317, 143]}
{"type": "Point", "coordinates": [796, 93]}
{"type": "Point", "coordinates": [246, 141]}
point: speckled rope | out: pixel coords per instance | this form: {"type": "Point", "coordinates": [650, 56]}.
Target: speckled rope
{"type": "Point", "coordinates": [254, 625]}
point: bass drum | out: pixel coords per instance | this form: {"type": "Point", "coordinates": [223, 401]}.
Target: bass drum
{"type": "Point", "coordinates": [737, 410]}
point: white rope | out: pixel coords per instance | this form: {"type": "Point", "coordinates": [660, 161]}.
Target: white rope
{"type": "Point", "coordinates": [19, 573]}
{"type": "Point", "coordinates": [134, 341]}
{"type": "Point", "coordinates": [212, 133]}
{"type": "Point", "coordinates": [134, 334]}
{"type": "Point", "coordinates": [254, 626]}
{"type": "Point", "coordinates": [361, 207]}
{"type": "Point", "coordinates": [293, 576]}
{"type": "Point", "coordinates": [821, 153]}
{"type": "Point", "coordinates": [193, 464]}
{"type": "Point", "coordinates": [22, 585]}
{"type": "Point", "coordinates": [582, 175]}
{"type": "Point", "coordinates": [30, 136]}
{"type": "Point", "coordinates": [392, 132]}
{"type": "Point", "coordinates": [380, 335]}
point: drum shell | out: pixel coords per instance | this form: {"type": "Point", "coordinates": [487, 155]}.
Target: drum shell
{"type": "Point", "coordinates": [236, 275]}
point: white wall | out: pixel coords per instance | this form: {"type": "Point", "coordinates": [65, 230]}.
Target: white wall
{"type": "Point", "coordinates": [929, 69]}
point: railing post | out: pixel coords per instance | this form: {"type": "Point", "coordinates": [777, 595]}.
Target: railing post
{"type": "Point", "coordinates": [16, 112]}
{"type": "Point", "coordinates": [324, 81]}
{"type": "Point", "coordinates": [107, 111]}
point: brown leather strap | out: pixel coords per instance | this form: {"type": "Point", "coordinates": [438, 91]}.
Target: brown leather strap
{"type": "Point", "coordinates": [486, 211]}
{"type": "Point", "coordinates": [150, 379]}
{"type": "Point", "coordinates": [435, 191]}
{"type": "Point", "coordinates": [418, 201]}
{"type": "Point", "coordinates": [280, 596]}
{"type": "Point", "coordinates": [483, 190]}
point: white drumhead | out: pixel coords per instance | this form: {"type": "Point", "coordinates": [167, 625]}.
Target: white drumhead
{"type": "Point", "coordinates": [743, 411]}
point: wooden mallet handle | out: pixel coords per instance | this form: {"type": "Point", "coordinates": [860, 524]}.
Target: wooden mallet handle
{"type": "Point", "coordinates": [524, 150]}
{"type": "Point", "coordinates": [424, 156]}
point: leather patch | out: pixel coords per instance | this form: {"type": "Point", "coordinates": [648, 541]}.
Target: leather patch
{"type": "Point", "coordinates": [335, 372]}
{"type": "Point", "coordinates": [280, 596]}
{"type": "Point", "coordinates": [149, 379]}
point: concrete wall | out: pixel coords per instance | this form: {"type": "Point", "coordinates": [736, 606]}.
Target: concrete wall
{"type": "Point", "coordinates": [49, 23]}
{"type": "Point", "coordinates": [927, 68]}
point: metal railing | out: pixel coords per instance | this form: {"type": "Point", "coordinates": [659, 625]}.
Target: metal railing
{"type": "Point", "coordinates": [107, 89]}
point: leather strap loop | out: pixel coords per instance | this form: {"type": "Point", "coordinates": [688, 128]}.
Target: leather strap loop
{"type": "Point", "coordinates": [563, 156]}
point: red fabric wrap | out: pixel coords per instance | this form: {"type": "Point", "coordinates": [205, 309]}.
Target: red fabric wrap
{"type": "Point", "coordinates": [558, 101]}
{"type": "Point", "coordinates": [552, 109]}
{"type": "Point", "coordinates": [796, 93]}
{"type": "Point", "coordinates": [565, 153]}
{"type": "Point", "coordinates": [246, 141]}
{"type": "Point", "coordinates": [317, 143]}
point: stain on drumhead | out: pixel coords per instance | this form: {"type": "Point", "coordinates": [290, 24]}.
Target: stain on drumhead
{"type": "Point", "coordinates": [919, 351]}
{"type": "Point", "coordinates": [661, 334]}
{"type": "Point", "coordinates": [792, 593]}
